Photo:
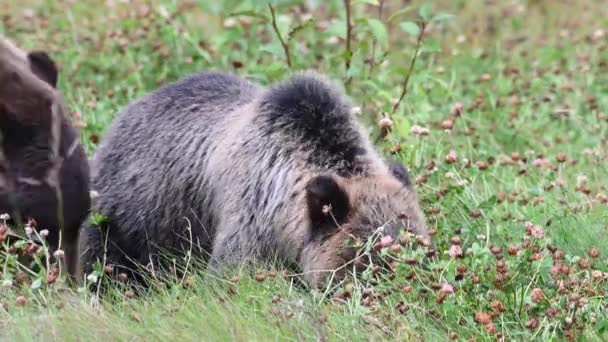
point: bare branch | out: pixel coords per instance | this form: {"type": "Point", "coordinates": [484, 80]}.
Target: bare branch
{"type": "Point", "coordinates": [372, 62]}
{"type": "Point", "coordinates": [278, 33]}
{"type": "Point", "coordinates": [349, 34]}
{"type": "Point", "coordinates": [406, 80]}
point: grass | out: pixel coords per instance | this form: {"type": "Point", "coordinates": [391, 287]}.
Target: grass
{"type": "Point", "coordinates": [515, 99]}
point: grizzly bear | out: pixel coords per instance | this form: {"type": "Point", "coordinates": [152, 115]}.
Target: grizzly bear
{"type": "Point", "coordinates": [232, 172]}
{"type": "Point", "coordinates": [44, 171]}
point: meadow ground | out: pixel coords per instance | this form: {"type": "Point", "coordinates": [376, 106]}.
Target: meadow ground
{"type": "Point", "coordinates": [504, 124]}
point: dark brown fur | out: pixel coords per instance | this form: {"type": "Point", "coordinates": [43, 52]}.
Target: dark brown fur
{"type": "Point", "coordinates": [42, 162]}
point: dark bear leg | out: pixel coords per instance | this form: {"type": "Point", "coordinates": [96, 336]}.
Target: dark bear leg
{"type": "Point", "coordinates": [70, 248]}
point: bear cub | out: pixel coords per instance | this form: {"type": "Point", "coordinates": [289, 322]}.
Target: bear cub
{"type": "Point", "coordinates": [233, 172]}
{"type": "Point", "coordinates": [42, 162]}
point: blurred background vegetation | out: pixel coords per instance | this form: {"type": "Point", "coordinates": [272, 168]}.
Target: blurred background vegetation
{"type": "Point", "coordinates": [504, 121]}
{"type": "Point", "coordinates": [112, 51]}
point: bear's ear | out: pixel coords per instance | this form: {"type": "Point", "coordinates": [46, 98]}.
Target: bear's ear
{"type": "Point", "coordinates": [401, 173]}
{"type": "Point", "coordinates": [44, 67]}
{"type": "Point", "coordinates": [327, 202]}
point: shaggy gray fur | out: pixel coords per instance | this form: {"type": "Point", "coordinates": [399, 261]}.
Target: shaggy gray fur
{"type": "Point", "coordinates": [235, 163]}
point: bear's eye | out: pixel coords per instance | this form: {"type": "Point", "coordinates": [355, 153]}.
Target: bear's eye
{"type": "Point", "coordinates": [403, 216]}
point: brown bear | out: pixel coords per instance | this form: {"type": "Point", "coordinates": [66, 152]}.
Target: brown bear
{"type": "Point", "coordinates": [233, 171]}
{"type": "Point", "coordinates": [44, 171]}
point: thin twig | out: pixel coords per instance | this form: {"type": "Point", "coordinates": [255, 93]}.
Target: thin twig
{"type": "Point", "coordinates": [349, 35]}
{"type": "Point", "coordinates": [412, 64]}
{"type": "Point", "coordinates": [372, 62]}
{"type": "Point", "coordinates": [103, 264]}
{"type": "Point", "coordinates": [276, 30]}
{"type": "Point", "coordinates": [189, 254]}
